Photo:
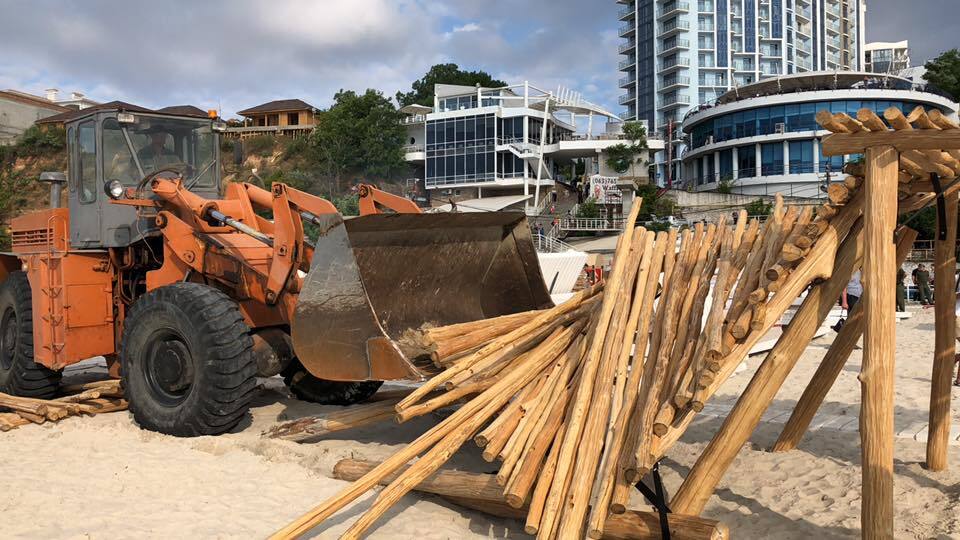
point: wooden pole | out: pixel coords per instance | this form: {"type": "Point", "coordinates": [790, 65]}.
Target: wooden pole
{"type": "Point", "coordinates": [467, 489]}
{"type": "Point", "coordinates": [833, 362]}
{"type": "Point", "coordinates": [702, 480]}
{"type": "Point", "coordinates": [876, 376]}
{"type": "Point", "coordinates": [944, 278]}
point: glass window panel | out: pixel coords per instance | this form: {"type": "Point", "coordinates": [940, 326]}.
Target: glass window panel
{"type": "Point", "coordinates": [87, 144]}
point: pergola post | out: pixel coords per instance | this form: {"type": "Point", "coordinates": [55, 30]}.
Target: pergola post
{"type": "Point", "coordinates": [876, 376]}
{"type": "Point", "coordinates": [944, 279]}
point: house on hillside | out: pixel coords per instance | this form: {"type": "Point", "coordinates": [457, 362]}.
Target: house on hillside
{"type": "Point", "coordinates": [19, 111]}
{"type": "Point", "coordinates": [68, 114]}
{"type": "Point", "coordinates": [289, 117]}
{"type": "Point", "coordinates": [76, 100]}
{"type": "Point", "coordinates": [185, 110]}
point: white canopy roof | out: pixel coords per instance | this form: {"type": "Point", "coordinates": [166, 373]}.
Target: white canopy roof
{"type": "Point", "coordinates": [487, 204]}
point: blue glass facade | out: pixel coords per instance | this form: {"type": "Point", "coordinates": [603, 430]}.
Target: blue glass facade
{"type": "Point", "coordinates": [776, 18]}
{"type": "Point", "coordinates": [750, 25]}
{"type": "Point", "coordinates": [722, 33]}
{"type": "Point", "coordinates": [793, 117]}
{"type": "Point", "coordinates": [460, 150]}
{"type": "Point", "coordinates": [773, 157]}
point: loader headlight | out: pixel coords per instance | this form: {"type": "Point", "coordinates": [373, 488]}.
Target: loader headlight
{"type": "Point", "coordinates": [114, 189]}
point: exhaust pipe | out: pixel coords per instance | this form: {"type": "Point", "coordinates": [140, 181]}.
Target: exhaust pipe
{"type": "Point", "coordinates": [56, 181]}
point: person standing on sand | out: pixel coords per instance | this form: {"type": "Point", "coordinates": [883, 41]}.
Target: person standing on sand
{"type": "Point", "coordinates": [901, 290]}
{"type": "Point", "coordinates": [853, 292]}
{"type": "Point", "coordinates": [921, 278]}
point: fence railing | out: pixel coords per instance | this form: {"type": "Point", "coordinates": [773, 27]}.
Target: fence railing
{"type": "Point", "coordinates": [591, 224]}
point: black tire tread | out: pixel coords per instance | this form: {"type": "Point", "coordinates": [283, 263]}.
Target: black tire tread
{"type": "Point", "coordinates": [229, 369]}
{"type": "Point", "coordinates": [26, 378]}
{"type": "Point", "coordinates": [306, 387]}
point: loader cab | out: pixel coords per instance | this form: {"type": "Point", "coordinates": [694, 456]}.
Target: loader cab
{"type": "Point", "coordinates": [110, 147]}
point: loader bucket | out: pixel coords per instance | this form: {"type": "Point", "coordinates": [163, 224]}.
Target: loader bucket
{"type": "Point", "coordinates": [373, 277]}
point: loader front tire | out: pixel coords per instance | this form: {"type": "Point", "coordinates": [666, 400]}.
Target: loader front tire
{"type": "Point", "coordinates": [19, 374]}
{"type": "Point", "coordinates": [187, 362]}
{"type": "Point", "coordinates": [306, 387]}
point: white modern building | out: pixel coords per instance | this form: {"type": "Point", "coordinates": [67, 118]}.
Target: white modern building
{"type": "Point", "coordinates": [887, 57]}
{"type": "Point", "coordinates": [76, 100]}
{"type": "Point", "coordinates": [513, 141]}
{"type": "Point", "coordinates": [762, 138]}
{"type": "Point", "coordinates": [679, 54]}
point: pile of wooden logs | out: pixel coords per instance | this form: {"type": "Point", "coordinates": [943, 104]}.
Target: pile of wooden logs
{"type": "Point", "coordinates": [90, 398]}
{"type": "Point", "coordinates": [579, 402]}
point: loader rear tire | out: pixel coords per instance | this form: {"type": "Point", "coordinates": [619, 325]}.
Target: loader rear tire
{"type": "Point", "coordinates": [306, 387]}
{"type": "Point", "coordinates": [19, 374]}
{"type": "Point", "coordinates": [187, 362]}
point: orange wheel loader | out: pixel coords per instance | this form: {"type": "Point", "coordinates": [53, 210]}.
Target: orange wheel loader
{"type": "Point", "coordinates": [191, 289]}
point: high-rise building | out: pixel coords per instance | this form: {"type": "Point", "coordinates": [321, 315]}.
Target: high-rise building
{"type": "Point", "coordinates": [680, 54]}
{"type": "Point", "coordinates": [887, 58]}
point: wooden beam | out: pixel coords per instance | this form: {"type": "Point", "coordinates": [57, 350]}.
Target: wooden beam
{"type": "Point", "coordinates": [876, 376]}
{"type": "Point", "coordinates": [917, 139]}
{"type": "Point", "coordinates": [481, 492]}
{"type": "Point", "coordinates": [833, 362]}
{"type": "Point", "coordinates": [710, 467]}
{"type": "Point", "coordinates": [945, 264]}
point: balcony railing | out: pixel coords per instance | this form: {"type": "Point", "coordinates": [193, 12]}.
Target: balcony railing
{"type": "Point", "coordinates": [629, 79]}
{"type": "Point", "coordinates": [627, 98]}
{"type": "Point", "coordinates": [676, 7]}
{"type": "Point", "coordinates": [625, 12]}
{"type": "Point", "coordinates": [630, 44]}
{"type": "Point", "coordinates": [627, 29]}
{"type": "Point", "coordinates": [676, 62]}
{"type": "Point", "coordinates": [624, 64]}
{"type": "Point", "coordinates": [676, 25]}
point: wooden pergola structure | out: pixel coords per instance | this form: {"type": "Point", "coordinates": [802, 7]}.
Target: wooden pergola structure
{"type": "Point", "coordinates": [907, 165]}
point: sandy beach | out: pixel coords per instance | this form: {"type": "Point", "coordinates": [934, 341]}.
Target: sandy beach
{"type": "Point", "coordinates": [103, 477]}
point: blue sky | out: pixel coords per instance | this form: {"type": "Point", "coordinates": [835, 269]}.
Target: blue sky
{"type": "Point", "coordinates": [244, 52]}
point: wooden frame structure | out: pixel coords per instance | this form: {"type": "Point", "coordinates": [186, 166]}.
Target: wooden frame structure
{"type": "Point", "coordinates": [579, 402]}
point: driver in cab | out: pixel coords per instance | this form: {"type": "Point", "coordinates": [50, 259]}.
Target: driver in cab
{"type": "Point", "coordinates": [156, 155]}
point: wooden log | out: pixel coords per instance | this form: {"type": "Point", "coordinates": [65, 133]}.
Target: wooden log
{"type": "Point", "coordinates": [918, 117]}
{"type": "Point", "coordinates": [95, 385]}
{"type": "Point", "coordinates": [468, 489]}
{"type": "Point", "coordinates": [941, 120]}
{"type": "Point", "coordinates": [480, 487]}
{"type": "Point", "coordinates": [832, 363]}
{"type": "Point", "coordinates": [945, 339]}
{"type": "Point", "coordinates": [870, 120]}
{"type": "Point", "coordinates": [846, 121]}
{"type": "Point", "coordinates": [818, 265]}
{"type": "Point", "coordinates": [19, 404]}
{"type": "Point", "coordinates": [838, 193]}
{"type": "Point", "coordinates": [826, 211]}
{"type": "Point", "coordinates": [544, 484]}
{"type": "Point", "coordinates": [433, 459]}
{"type": "Point", "coordinates": [502, 322]}
{"type": "Point", "coordinates": [573, 456]}
{"type": "Point", "coordinates": [500, 348]}
{"type": "Point", "coordinates": [626, 430]}
{"type": "Point", "coordinates": [740, 423]}
{"type": "Point", "coordinates": [460, 421]}
{"type": "Point", "coordinates": [912, 167]}
{"type": "Point", "coordinates": [311, 427]}
{"type": "Point", "coordinates": [853, 183]}
{"type": "Point", "coordinates": [446, 347]}
{"type": "Point", "coordinates": [828, 122]}
{"type": "Point", "coordinates": [10, 421]}
{"type": "Point", "coordinates": [927, 164]}
{"type": "Point", "coordinates": [894, 116]}
{"type": "Point", "coordinates": [879, 275]}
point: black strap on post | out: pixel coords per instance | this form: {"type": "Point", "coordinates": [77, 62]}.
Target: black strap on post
{"type": "Point", "coordinates": [941, 207]}
{"type": "Point", "coordinates": [658, 498]}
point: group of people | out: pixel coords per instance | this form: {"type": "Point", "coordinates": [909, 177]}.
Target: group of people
{"type": "Point", "coordinates": [921, 280]}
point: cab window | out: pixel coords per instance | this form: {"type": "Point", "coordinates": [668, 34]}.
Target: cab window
{"type": "Point", "coordinates": [87, 158]}
{"type": "Point", "coordinates": [118, 163]}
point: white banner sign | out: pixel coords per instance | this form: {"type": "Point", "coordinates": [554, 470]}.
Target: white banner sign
{"type": "Point", "coordinates": [604, 190]}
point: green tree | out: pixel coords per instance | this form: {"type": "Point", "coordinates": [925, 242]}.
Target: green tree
{"type": "Point", "coordinates": [422, 89]}
{"type": "Point", "coordinates": [588, 209]}
{"type": "Point", "coordinates": [758, 207]}
{"type": "Point", "coordinates": [924, 221]}
{"type": "Point", "coordinates": [655, 203]}
{"type": "Point", "coordinates": [944, 72]}
{"type": "Point", "coordinates": [360, 135]}
{"type": "Point", "coordinates": [625, 157]}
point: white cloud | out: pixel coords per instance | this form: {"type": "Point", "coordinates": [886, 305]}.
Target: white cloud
{"type": "Point", "coordinates": [244, 52]}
